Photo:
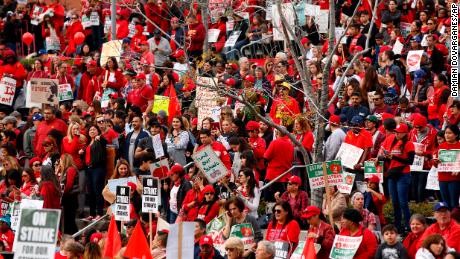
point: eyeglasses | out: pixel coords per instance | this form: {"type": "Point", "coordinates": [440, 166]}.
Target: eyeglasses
{"type": "Point", "coordinates": [36, 164]}
{"type": "Point", "coordinates": [100, 121]}
{"type": "Point", "coordinates": [278, 211]}
{"type": "Point", "coordinates": [289, 183]}
{"type": "Point", "coordinates": [250, 131]}
{"type": "Point", "coordinates": [269, 65]}
{"type": "Point", "coordinates": [229, 249]}
{"type": "Point", "coordinates": [209, 193]}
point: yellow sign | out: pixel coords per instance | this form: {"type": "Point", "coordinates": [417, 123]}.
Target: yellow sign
{"type": "Point", "coordinates": [160, 103]}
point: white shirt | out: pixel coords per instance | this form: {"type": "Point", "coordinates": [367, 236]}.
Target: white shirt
{"type": "Point", "coordinates": [173, 199]}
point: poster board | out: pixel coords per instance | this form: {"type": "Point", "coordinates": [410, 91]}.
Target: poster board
{"type": "Point", "coordinates": [414, 58]}
{"type": "Point", "coordinates": [157, 146]}
{"type": "Point", "coordinates": [44, 91]}
{"type": "Point", "coordinates": [38, 230]}
{"type": "Point", "coordinates": [110, 49]}
{"type": "Point", "coordinates": [245, 233]}
{"type": "Point", "coordinates": [450, 160]}
{"type": "Point", "coordinates": [371, 169]}
{"type": "Point", "coordinates": [7, 90]}
{"type": "Point", "coordinates": [65, 92]}
{"type": "Point", "coordinates": [432, 181]}
{"type": "Point", "coordinates": [181, 240]}
{"type": "Point", "coordinates": [316, 176]}
{"type": "Point", "coordinates": [281, 250]}
{"type": "Point", "coordinates": [213, 35]}
{"type": "Point", "coordinates": [215, 229]}
{"type": "Point", "coordinates": [151, 191]}
{"type": "Point", "coordinates": [208, 162]}
{"type": "Point", "coordinates": [206, 97]}
{"type": "Point", "coordinates": [160, 102]}
{"type": "Point", "coordinates": [289, 13]}
{"type": "Point", "coordinates": [160, 168]}
{"type": "Point", "coordinates": [345, 246]}
{"type": "Point", "coordinates": [122, 210]}
{"type": "Point", "coordinates": [349, 155]}
{"type": "Point", "coordinates": [232, 39]}
{"type": "Point", "coordinates": [347, 185]}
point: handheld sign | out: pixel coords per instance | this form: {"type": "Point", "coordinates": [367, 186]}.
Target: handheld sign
{"type": "Point", "coordinates": [161, 103]}
{"type": "Point", "coordinates": [345, 246]}
{"type": "Point", "coordinates": [160, 169]}
{"type": "Point", "coordinates": [37, 233]}
{"type": "Point", "coordinates": [244, 232]}
{"type": "Point", "coordinates": [432, 181]}
{"type": "Point", "coordinates": [16, 207]}
{"type": "Point", "coordinates": [413, 59]}
{"type": "Point", "coordinates": [150, 194]}
{"type": "Point", "coordinates": [157, 146]}
{"type": "Point", "coordinates": [371, 169]}
{"type": "Point", "coordinates": [232, 39]}
{"type": "Point", "coordinates": [281, 250]}
{"type": "Point", "coordinates": [207, 160]}
{"type": "Point", "coordinates": [44, 90]}
{"type": "Point", "coordinates": [7, 90]}
{"type": "Point", "coordinates": [65, 92]}
{"type": "Point", "coordinates": [316, 177]}
{"type": "Point", "coordinates": [450, 160]}
{"type": "Point", "coordinates": [349, 155]}
{"type": "Point", "coordinates": [181, 240]}
{"type": "Point", "coordinates": [122, 204]}
{"type": "Point", "coordinates": [5, 207]}
{"type": "Point", "coordinates": [215, 229]}
{"type": "Point", "coordinates": [347, 185]}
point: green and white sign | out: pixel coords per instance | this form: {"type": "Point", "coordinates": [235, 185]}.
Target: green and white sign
{"type": "Point", "coordinates": [450, 160]}
{"type": "Point", "coordinates": [244, 232]}
{"type": "Point", "coordinates": [207, 160]}
{"type": "Point", "coordinates": [345, 246]}
{"type": "Point", "coordinates": [316, 177]}
{"type": "Point", "coordinates": [37, 233]}
{"type": "Point", "coordinates": [214, 229]}
{"type": "Point", "coordinates": [65, 92]}
{"type": "Point", "coordinates": [371, 169]}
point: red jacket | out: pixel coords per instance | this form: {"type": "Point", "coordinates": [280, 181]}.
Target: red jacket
{"type": "Point", "coordinates": [258, 147]}
{"type": "Point", "coordinates": [70, 178]}
{"type": "Point", "coordinates": [410, 243]}
{"type": "Point", "coordinates": [428, 141]}
{"type": "Point", "coordinates": [213, 212]}
{"type": "Point", "coordinates": [280, 154]}
{"type": "Point", "coordinates": [69, 35]}
{"type": "Point", "coordinates": [51, 197]}
{"type": "Point", "coordinates": [119, 80]}
{"type": "Point", "coordinates": [72, 148]}
{"type": "Point", "coordinates": [42, 131]}
{"type": "Point", "coordinates": [368, 246]}
{"type": "Point", "coordinates": [197, 34]}
{"type": "Point", "coordinates": [450, 234]}
{"type": "Point", "coordinates": [89, 85]}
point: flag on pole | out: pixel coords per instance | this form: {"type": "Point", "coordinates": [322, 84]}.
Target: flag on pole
{"type": "Point", "coordinates": [113, 243]}
{"type": "Point", "coordinates": [137, 245]}
{"type": "Point", "coordinates": [309, 251]}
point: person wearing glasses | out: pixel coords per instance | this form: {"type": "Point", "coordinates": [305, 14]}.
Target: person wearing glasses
{"type": "Point", "coordinates": [209, 207]}
{"type": "Point", "coordinates": [234, 248]}
{"type": "Point", "coordinates": [248, 191]}
{"type": "Point", "coordinates": [283, 226]}
{"type": "Point", "coordinates": [295, 196]}
{"type": "Point", "coordinates": [29, 183]}
{"type": "Point", "coordinates": [35, 164]}
{"type": "Point", "coordinates": [379, 105]}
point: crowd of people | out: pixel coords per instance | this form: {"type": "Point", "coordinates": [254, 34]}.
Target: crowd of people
{"type": "Point", "coordinates": [396, 112]}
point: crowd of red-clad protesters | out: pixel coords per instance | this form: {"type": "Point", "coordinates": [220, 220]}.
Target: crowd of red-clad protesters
{"type": "Point", "coordinates": [399, 114]}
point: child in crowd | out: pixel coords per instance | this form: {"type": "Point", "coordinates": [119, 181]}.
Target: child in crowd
{"type": "Point", "coordinates": [391, 248]}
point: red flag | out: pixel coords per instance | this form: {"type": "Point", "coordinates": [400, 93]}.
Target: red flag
{"type": "Point", "coordinates": [137, 245]}
{"type": "Point", "coordinates": [309, 251]}
{"type": "Point", "coordinates": [174, 105]}
{"type": "Point", "coordinates": [113, 243]}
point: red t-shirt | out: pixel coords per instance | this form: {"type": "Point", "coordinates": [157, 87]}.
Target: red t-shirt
{"type": "Point", "coordinates": [110, 135]}
{"type": "Point", "coordinates": [289, 232]}
{"type": "Point", "coordinates": [141, 96]}
{"type": "Point", "coordinates": [363, 140]}
{"type": "Point", "coordinates": [398, 151]}
{"type": "Point", "coordinates": [8, 239]}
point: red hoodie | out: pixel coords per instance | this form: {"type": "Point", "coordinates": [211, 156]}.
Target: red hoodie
{"type": "Point", "coordinates": [197, 34]}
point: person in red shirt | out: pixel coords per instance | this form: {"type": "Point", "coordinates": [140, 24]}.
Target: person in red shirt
{"type": "Point", "coordinates": [417, 228]}
{"type": "Point", "coordinates": [147, 57]}
{"type": "Point", "coordinates": [49, 188]}
{"type": "Point", "coordinates": [6, 234]}
{"type": "Point", "coordinates": [359, 137]}
{"type": "Point", "coordinates": [46, 126]}
{"type": "Point", "coordinates": [138, 38]}
{"type": "Point", "coordinates": [445, 226]}
{"type": "Point", "coordinates": [322, 233]}
{"type": "Point", "coordinates": [13, 68]}
{"type": "Point", "coordinates": [399, 151]}
{"type": "Point", "coordinates": [257, 143]}
{"type": "Point", "coordinates": [284, 107]}
{"type": "Point", "coordinates": [449, 182]}
{"type": "Point", "coordinates": [208, 209]}
{"type": "Point", "coordinates": [283, 226]}
{"type": "Point", "coordinates": [279, 155]}
{"type": "Point", "coordinates": [90, 83]}
{"type": "Point", "coordinates": [195, 37]}
{"type": "Point", "coordinates": [72, 28]}
{"type": "Point", "coordinates": [437, 99]}
{"type": "Point", "coordinates": [352, 228]}
{"type": "Point", "coordinates": [141, 95]}
{"type": "Point", "coordinates": [219, 149]}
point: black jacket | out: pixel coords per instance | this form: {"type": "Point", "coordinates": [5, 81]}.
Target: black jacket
{"type": "Point", "coordinates": [184, 187]}
{"type": "Point", "coordinates": [98, 153]}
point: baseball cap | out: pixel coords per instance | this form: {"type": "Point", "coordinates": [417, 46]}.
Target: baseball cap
{"type": "Point", "coordinates": [372, 118]}
{"type": "Point", "coordinates": [176, 168]}
{"type": "Point", "coordinates": [304, 41]}
{"type": "Point", "coordinates": [37, 117]}
{"type": "Point", "coordinates": [206, 240]}
{"type": "Point", "coordinates": [420, 121]}
{"type": "Point", "coordinates": [437, 206]}
{"type": "Point", "coordinates": [208, 188]}
{"type": "Point", "coordinates": [91, 63]}
{"type": "Point", "coordinates": [356, 120]}
{"type": "Point", "coordinates": [310, 211]}
{"type": "Point", "coordinates": [367, 59]}
{"type": "Point", "coordinates": [335, 119]}
{"type": "Point", "coordinates": [373, 179]}
{"type": "Point", "coordinates": [179, 53]}
{"type": "Point", "coordinates": [295, 180]}
{"type": "Point", "coordinates": [141, 76]}
{"type": "Point", "coordinates": [402, 128]}
{"type": "Point", "coordinates": [126, 41]}
{"type": "Point", "coordinates": [252, 125]}
{"type": "Point", "coordinates": [95, 237]}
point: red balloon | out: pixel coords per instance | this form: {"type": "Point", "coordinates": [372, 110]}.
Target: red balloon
{"type": "Point", "coordinates": [28, 38]}
{"type": "Point", "coordinates": [79, 38]}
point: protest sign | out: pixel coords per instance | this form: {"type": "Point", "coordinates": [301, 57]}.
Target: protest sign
{"type": "Point", "coordinates": [157, 146]}
{"type": "Point", "coordinates": [370, 100]}
{"type": "Point", "coordinates": [300, 13]}
{"type": "Point", "coordinates": [16, 207]}
{"type": "Point", "coordinates": [419, 147]}
{"type": "Point", "coordinates": [349, 155]}
{"type": "Point", "coordinates": [345, 246]}
{"type": "Point", "coordinates": [65, 92]}
{"type": "Point", "coordinates": [244, 232]}
{"type": "Point", "coordinates": [347, 185]}
{"type": "Point", "coordinates": [323, 21]}
{"type": "Point", "coordinates": [268, 10]}
{"type": "Point", "coordinates": [160, 168]}
{"type": "Point", "coordinates": [110, 49]}
{"type": "Point", "coordinates": [213, 35]}
{"type": "Point", "coordinates": [405, 28]}
{"type": "Point", "coordinates": [44, 90]}
{"type": "Point", "coordinates": [281, 250]}
{"type": "Point", "coordinates": [150, 194]}
{"type": "Point", "coordinates": [113, 183]}
{"type": "Point", "coordinates": [417, 165]}
{"type": "Point", "coordinates": [121, 211]}
{"type": "Point", "coordinates": [7, 90]}
{"type": "Point", "coordinates": [105, 99]}
{"type": "Point", "coordinates": [287, 10]}
{"type": "Point", "coordinates": [206, 97]}
{"type": "Point", "coordinates": [37, 233]}
{"type": "Point", "coordinates": [398, 47]}
{"type": "Point", "coordinates": [181, 240]}
{"type": "Point", "coordinates": [208, 162]}
{"type": "Point", "coordinates": [316, 176]}
{"type": "Point", "coordinates": [215, 229]}
{"type": "Point", "coordinates": [85, 21]}
{"type": "Point", "coordinates": [450, 160]}
{"type": "Point", "coordinates": [371, 169]}
{"type": "Point", "coordinates": [161, 103]}
{"type": "Point", "coordinates": [5, 207]}
{"type": "Point", "coordinates": [94, 19]}
{"type": "Point", "coordinates": [413, 59]}
{"type": "Point", "coordinates": [232, 39]}
{"type": "Point", "coordinates": [432, 181]}
{"type": "Point", "coordinates": [37, 15]}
